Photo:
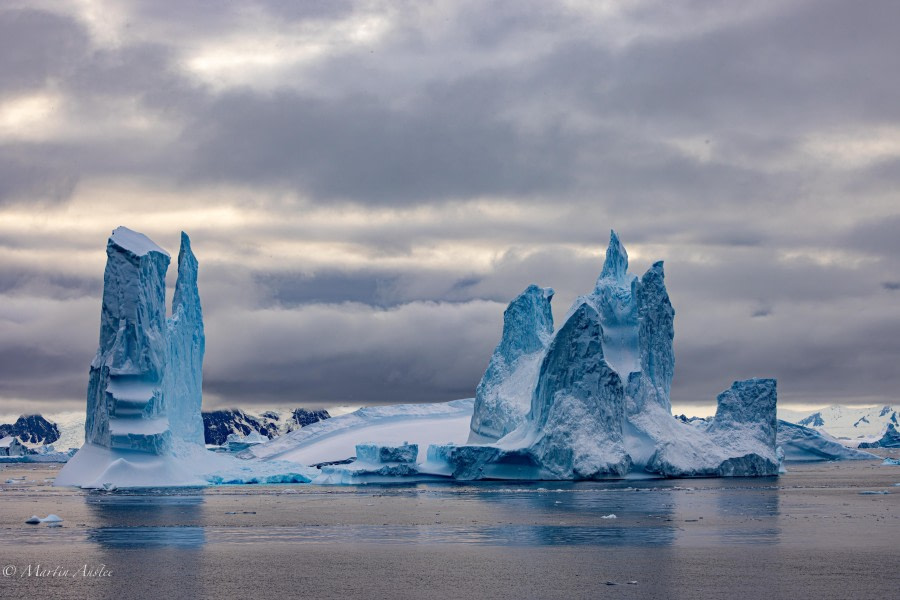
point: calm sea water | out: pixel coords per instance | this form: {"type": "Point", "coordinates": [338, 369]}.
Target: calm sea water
{"type": "Point", "coordinates": [814, 532]}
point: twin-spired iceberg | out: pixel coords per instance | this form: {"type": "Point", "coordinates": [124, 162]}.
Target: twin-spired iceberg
{"type": "Point", "coordinates": [598, 403]}
{"type": "Point", "coordinates": [143, 425]}
{"type": "Point", "coordinates": [128, 408]}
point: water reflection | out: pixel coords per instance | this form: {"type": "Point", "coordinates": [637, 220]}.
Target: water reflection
{"type": "Point", "coordinates": [752, 515]}
{"type": "Point", "coordinates": [152, 519]}
{"type": "Point", "coordinates": [642, 516]}
{"type": "Point", "coordinates": [153, 532]}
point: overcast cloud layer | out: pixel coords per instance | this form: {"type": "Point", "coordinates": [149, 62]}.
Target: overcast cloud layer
{"type": "Point", "coordinates": [367, 184]}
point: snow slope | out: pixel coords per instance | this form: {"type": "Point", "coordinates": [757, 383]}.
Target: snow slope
{"type": "Point", "coordinates": [336, 438]}
{"type": "Point", "coordinates": [804, 444]}
{"type": "Point", "coordinates": [857, 424]}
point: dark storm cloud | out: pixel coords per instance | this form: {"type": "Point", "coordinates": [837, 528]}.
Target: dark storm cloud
{"type": "Point", "coordinates": [293, 289]}
{"type": "Point", "coordinates": [214, 15]}
{"type": "Point", "coordinates": [24, 177]}
{"type": "Point", "coordinates": [879, 237]}
{"type": "Point", "coordinates": [58, 286]}
{"type": "Point", "coordinates": [813, 64]}
{"type": "Point", "coordinates": [690, 130]}
{"type": "Point", "coordinates": [36, 46]}
{"type": "Point", "coordinates": [359, 149]}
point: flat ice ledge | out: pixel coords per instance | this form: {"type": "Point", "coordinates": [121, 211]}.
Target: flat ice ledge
{"type": "Point", "coordinates": [134, 242]}
{"type": "Point", "coordinates": [95, 467]}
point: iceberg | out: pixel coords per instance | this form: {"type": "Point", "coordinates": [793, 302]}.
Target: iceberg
{"type": "Point", "coordinates": [126, 407]}
{"type": "Point", "coordinates": [574, 428]}
{"type": "Point", "coordinates": [600, 405]}
{"type": "Point", "coordinates": [335, 439]}
{"type": "Point", "coordinates": [804, 444]}
{"type": "Point", "coordinates": [588, 401]}
{"type": "Point", "coordinates": [143, 426]}
{"type": "Point", "coordinates": [375, 463]}
{"type": "Point", "coordinates": [182, 383]}
{"type": "Point", "coordinates": [502, 397]}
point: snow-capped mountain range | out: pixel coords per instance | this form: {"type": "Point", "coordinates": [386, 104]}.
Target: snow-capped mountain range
{"type": "Point", "coordinates": [271, 423]}
{"type": "Point", "coordinates": [847, 423]}
{"type": "Point", "coordinates": [65, 430]}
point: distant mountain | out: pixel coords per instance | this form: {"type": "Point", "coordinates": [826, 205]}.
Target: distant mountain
{"type": "Point", "coordinates": [845, 422]}
{"type": "Point", "coordinates": [66, 429]}
{"type": "Point", "coordinates": [890, 439]}
{"type": "Point", "coordinates": [32, 430]}
{"type": "Point", "coordinates": [218, 424]}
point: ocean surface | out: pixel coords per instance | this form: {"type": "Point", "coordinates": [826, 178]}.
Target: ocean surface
{"type": "Point", "coordinates": [825, 530]}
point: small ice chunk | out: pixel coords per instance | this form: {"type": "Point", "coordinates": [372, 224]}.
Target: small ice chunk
{"type": "Point", "coordinates": [33, 520]}
{"type": "Point", "coordinates": [52, 519]}
{"type": "Point", "coordinates": [608, 516]}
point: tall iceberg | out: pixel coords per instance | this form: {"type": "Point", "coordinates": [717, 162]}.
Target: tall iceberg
{"type": "Point", "coordinates": [578, 405]}
{"type": "Point", "coordinates": [502, 398]}
{"type": "Point", "coordinates": [186, 346]}
{"type": "Point", "coordinates": [143, 425]}
{"type": "Point", "coordinates": [126, 404]}
{"type": "Point", "coordinates": [600, 404]}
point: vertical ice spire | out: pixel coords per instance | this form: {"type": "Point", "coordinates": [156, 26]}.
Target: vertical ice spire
{"type": "Point", "coordinates": [616, 264]}
{"type": "Point", "coordinates": [656, 333]}
{"type": "Point", "coordinates": [187, 344]}
{"type": "Point", "coordinates": [527, 327]}
{"type": "Point", "coordinates": [578, 404]}
{"type": "Point", "coordinates": [125, 405]}
{"type": "Point", "coordinates": [186, 292]}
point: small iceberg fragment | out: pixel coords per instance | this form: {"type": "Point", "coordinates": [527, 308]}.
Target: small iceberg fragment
{"type": "Point", "coordinates": [52, 520]}
{"type": "Point", "coordinates": [891, 461]}
{"type": "Point", "coordinates": [609, 517]}
{"type": "Point", "coordinates": [374, 463]}
{"type": "Point", "coordinates": [33, 520]}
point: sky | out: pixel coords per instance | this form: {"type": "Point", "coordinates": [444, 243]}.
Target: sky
{"type": "Point", "coordinates": [367, 185]}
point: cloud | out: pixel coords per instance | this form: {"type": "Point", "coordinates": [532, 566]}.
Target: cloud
{"type": "Point", "coordinates": [367, 184]}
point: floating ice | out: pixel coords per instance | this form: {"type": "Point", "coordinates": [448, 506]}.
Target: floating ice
{"type": "Point", "coordinates": [186, 347]}
{"type": "Point", "coordinates": [143, 425]}
{"type": "Point", "coordinates": [600, 405]}
{"type": "Point", "coordinates": [502, 398]}
{"type": "Point", "coordinates": [374, 463]}
{"type": "Point", "coordinates": [801, 443]}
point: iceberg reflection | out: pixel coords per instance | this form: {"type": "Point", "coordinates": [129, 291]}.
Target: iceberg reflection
{"type": "Point", "coordinates": [153, 519]}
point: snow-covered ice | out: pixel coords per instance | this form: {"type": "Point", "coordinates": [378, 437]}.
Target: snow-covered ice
{"type": "Point", "coordinates": [336, 438]}
{"type": "Point", "coordinates": [502, 398]}
{"type": "Point", "coordinates": [600, 405]}
{"type": "Point", "coordinates": [801, 443]}
{"type": "Point", "coordinates": [374, 463]}
{"type": "Point", "coordinates": [890, 439]}
{"type": "Point", "coordinates": [588, 401]}
{"type": "Point", "coordinates": [848, 423]}
{"type": "Point", "coordinates": [143, 426]}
